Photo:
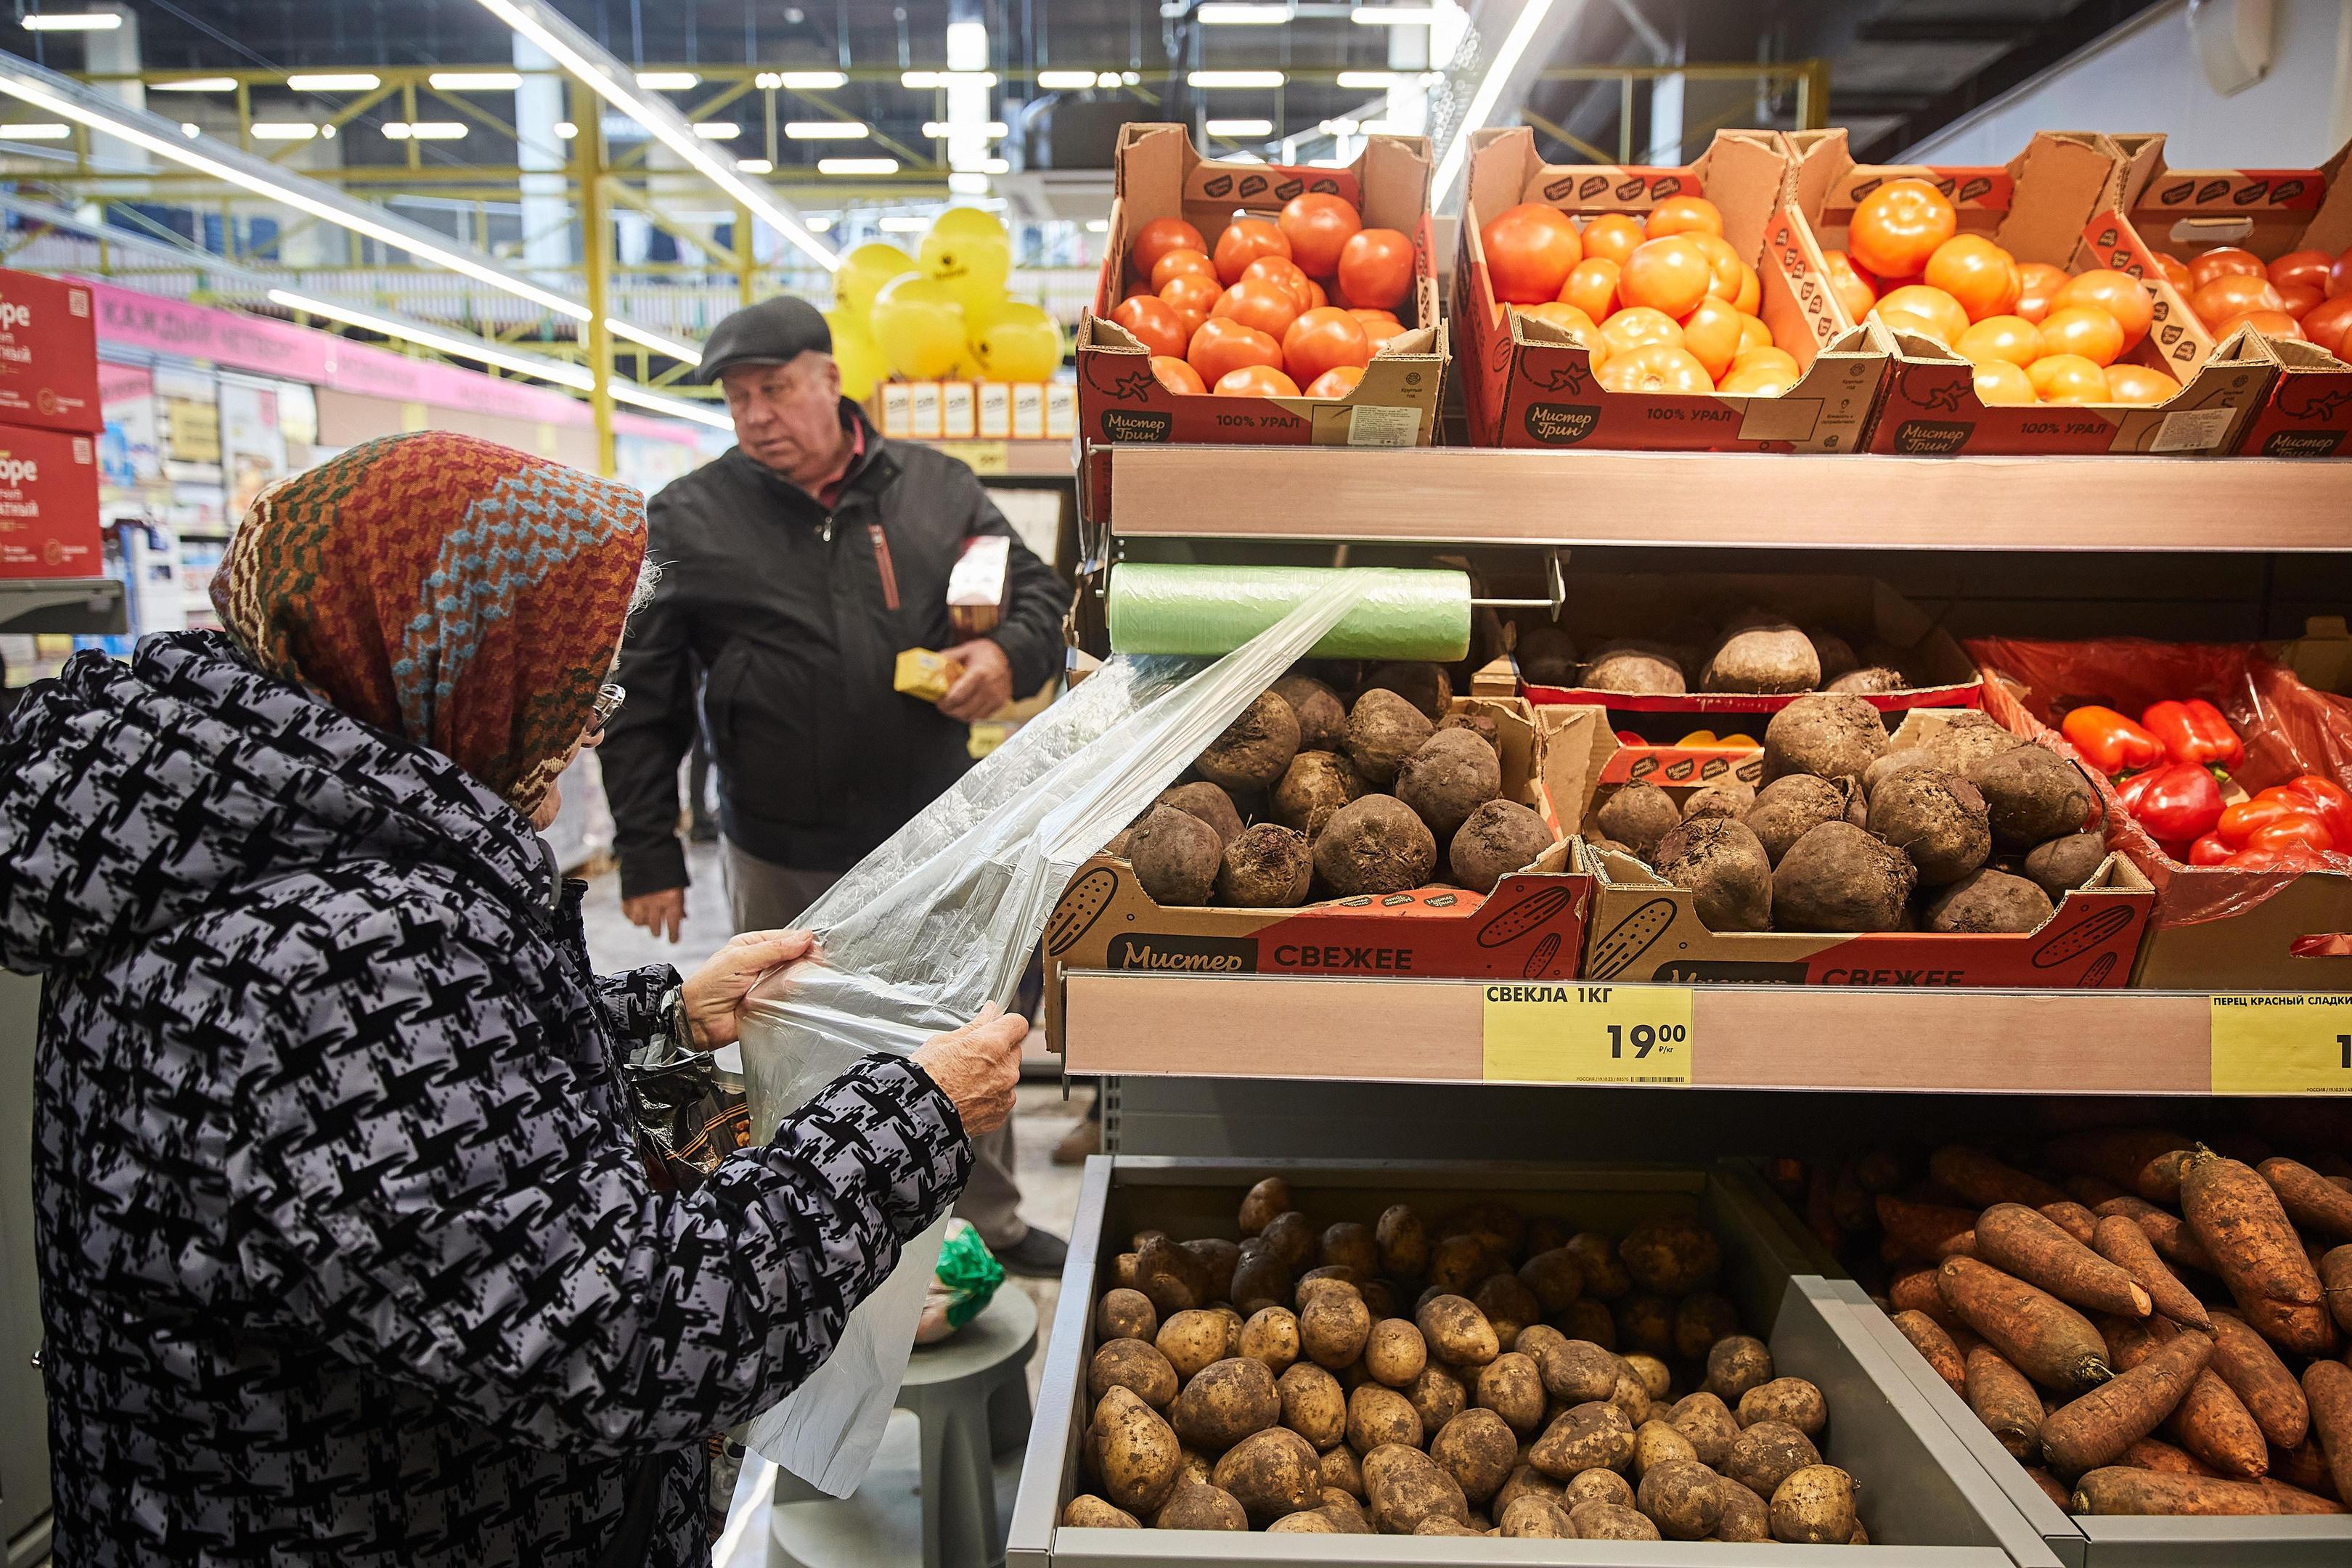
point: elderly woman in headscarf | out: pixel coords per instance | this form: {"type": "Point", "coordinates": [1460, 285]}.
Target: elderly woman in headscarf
{"type": "Point", "coordinates": [351, 1247]}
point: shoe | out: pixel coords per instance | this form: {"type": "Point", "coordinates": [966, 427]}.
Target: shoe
{"type": "Point", "coordinates": [1039, 1255]}
{"type": "Point", "coordinates": [1083, 1138]}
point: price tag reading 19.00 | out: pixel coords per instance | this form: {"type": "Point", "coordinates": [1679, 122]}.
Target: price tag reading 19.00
{"type": "Point", "coordinates": [2281, 1043]}
{"type": "Point", "coordinates": [1589, 1034]}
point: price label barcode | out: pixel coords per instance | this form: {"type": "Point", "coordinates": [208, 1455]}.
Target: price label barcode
{"type": "Point", "coordinates": [1588, 1034]}
{"type": "Point", "coordinates": [2281, 1043]}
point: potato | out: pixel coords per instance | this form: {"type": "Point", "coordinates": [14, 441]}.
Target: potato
{"type": "Point", "coordinates": [1207, 802]}
{"type": "Point", "coordinates": [1316, 785]}
{"type": "Point", "coordinates": [1590, 1321]}
{"type": "Point", "coordinates": [1682, 1497]}
{"type": "Point", "coordinates": [1442, 1526]}
{"type": "Point", "coordinates": [1700, 1320]}
{"type": "Point", "coordinates": [1837, 877]}
{"type": "Point", "coordinates": [1524, 1480]}
{"type": "Point", "coordinates": [1611, 1522]}
{"type": "Point", "coordinates": [1723, 866]}
{"type": "Point", "coordinates": [1175, 857]}
{"type": "Point", "coordinates": [1646, 1323]}
{"type": "Point", "coordinates": [1321, 716]}
{"type": "Point", "coordinates": [1457, 1263]}
{"type": "Point", "coordinates": [1174, 1279]}
{"type": "Point", "coordinates": [1582, 1436]}
{"type": "Point", "coordinates": [1641, 669]}
{"type": "Point", "coordinates": [1554, 1278]}
{"type": "Point", "coordinates": [1260, 1277]}
{"type": "Point", "coordinates": [1989, 902]}
{"type": "Point", "coordinates": [1508, 1305]}
{"type": "Point", "coordinates": [1499, 837]}
{"type": "Point", "coordinates": [1271, 1335]}
{"type": "Point", "coordinates": [1426, 686]}
{"type": "Point", "coordinates": [1255, 748]}
{"type": "Point", "coordinates": [1378, 1299]}
{"type": "Point", "coordinates": [1192, 1465]}
{"type": "Point", "coordinates": [1511, 1386]}
{"type": "Point", "coordinates": [1731, 800]}
{"type": "Point", "coordinates": [1437, 1396]}
{"type": "Point", "coordinates": [1224, 1403]}
{"type": "Point", "coordinates": [1814, 1507]}
{"type": "Point", "coordinates": [1657, 1443]}
{"type": "Point", "coordinates": [1220, 1257]}
{"type": "Point", "coordinates": [1405, 1486]}
{"type": "Point", "coordinates": [1478, 1450]}
{"type": "Point", "coordinates": [1768, 1453]}
{"type": "Point", "coordinates": [1453, 775]}
{"type": "Point", "coordinates": [1193, 1506]}
{"type": "Point", "coordinates": [1312, 1404]}
{"type": "Point", "coordinates": [1292, 1238]}
{"type": "Point", "coordinates": [1343, 1509]}
{"type": "Point", "coordinates": [1710, 1424]}
{"type": "Point", "coordinates": [1735, 1364]}
{"type": "Point", "coordinates": [1790, 1401]}
{"type": "Point", "coordinates": [1343, 1471]}
{"type": "Point", "coordinates": [1271, 1474]}
{"type": "Point", "coordinates": [1828, 734]}
{"type": "Point", "coordinates": [1745, 1517]}
{"type": "Point", "coordinates": [1137, 1367]}
{"type": "Point", "coordinates": [1394, 1353]}
{"type": "Point", "coordinates": [1333, 1325]}
{"type": "Point", "coordinates": [1350, 1245]}
{"type": "Point", "coordinates": [1457, 1332]}
{"type": "Point", "coordinates": [1537, 1518]}
{"type": "Point", "coordinates": [1190, 1341]}
{"type": "Point", "coordinates": [1316, 1282]}
{"type": "Point", "coordinates": [1791, 806]}
{"type": "Point", "coordinates": [1262, 1202]}
{"type": "Point", "coordinates": [1383, 729]}
{"type": "Point", "coordinates": [1577, 1371]}
{"type": "Point", "coordinates": [1123, 1314]}
{"type": "Point", "coordinates": [1377, 1414]}
{"type": "Point", "coordinates": [1266, 867]}
{"type": "Point", "coordinates": [1134, 1449]}
{"type": "Point", "coordinates": [1655, 1376]}
{"type": "Point", "coordinates": [1310, 1523]}
{"type": "Point", "coordinates": [1086, 1511]}
{"type": "Point", "coordinates": [1637, 816]}
{"type": "Point", "coordinates": [1403, 1242]}
{"type": "Point", "coordinates": [1597, 1484]}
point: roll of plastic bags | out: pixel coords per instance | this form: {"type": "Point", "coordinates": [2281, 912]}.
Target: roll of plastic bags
{"type": "Point", "coordinates": [941, 920]}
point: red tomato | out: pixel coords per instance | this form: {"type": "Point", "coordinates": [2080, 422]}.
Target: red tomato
{"type": "Point", "coordinates": [1978, 273]}
{"type": "Point", "coordinates": [2119, 294]}
{"type": "Point", "coordinates": [1729, 271]}
{"type": "Point", "coordinates": [2270, 324]}
{"type": "Point", "coordinates": [1852, 292]}
{"type": "Point", "coordinates": [2083, 330]}
{"type": "Point", "coordinates": [2227, 294]}
{"type": "Point", "coordinates": [1283, 271]}
{"type": "Point", "coordinates": [2339, 275]}
{"type": "Point", "coordinates": [1172, 262]}
{"type": "Point", "coordinates": [1899, 226]}
{"type": "Point", "coordinates": [1156, 238]}
{"type": "Point", "coordinates": [2038, 283]}
{"type": "Point", "coordinates": [2297, 298]}
{"type": "Point", "coordinates": [2308, 268]}
{"type": "Point", "coordinates": [1244, 240]}
{"type": "Point", "coordinates": [1176, 375]}
{"type": "Point", "coordinates": [1529, 249]}
{"type": "Point", "coordinates": [1711, 334]}
{"type": "Point", "coordinates": [1155, 324]}
{"type": "Point", "coordinates": [2224, 261]}
{"type": "Point", "coordinates": [2176, 271]}
{"type": "Point", "coordinates": [1686, 214]}
{"type": "Point", "coordinates": [1671, 275]}
{"type": "Point", "coordinates": [2324, 323]}
{"type": "Point", "coordinates": [1255, 381]}
{"type": "Point", "coordinates": [1379, 327]}
{"type": "Point", "coordinates": [1336, 381]}
{"type": "Point", "coordinates": [1222, 344]}
{"type": "Point", "coordinates": [1316, 298]}
{"type": "Point", "coordinates": [1376, 269]}
{"type": "Point", "coordinates": [1258, 302]}
{"type": "Point", "coordinates": [1324, 340]}
{"type": "Point", "coordinates": [1591, 287]}
{"type": "Point", "coordinates": [1318, 225]}
{"type": "Point", "coordinates": [1193, 296]}
{"type": "Point", "coordinates": [1612, 237]}
{"type": "Point", "coordinates": [2136, 383]}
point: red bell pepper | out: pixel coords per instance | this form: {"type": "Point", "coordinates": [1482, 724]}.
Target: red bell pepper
{"type": "Point", "coordinates": [2330, 802]}
{"type": "Point", "coordinates": [2195, 731]}
{"type": "Point", "coordinates": [2110, 742]}
{"type": "Point", "coordinates": [2296, 832]}
{"type": "Point", "coordinates": [2277, 804]}
{"type": "Point", "coordinates": [2210, 850]}
{"type": "Point", "coordinates": [2177, 803]}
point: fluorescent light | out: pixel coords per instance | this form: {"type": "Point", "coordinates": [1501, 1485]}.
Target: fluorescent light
{"type": "Point", "coordinates": [668, 81]}
{"type": "Point", "coordinates": [424, 131]}
{"type": "Point", "coordinates": [1385, 127]}
{"type": "Point", "coordinates": [1371, 79]}
{"type": "Point", "coordinates": [857, 165]}
{"type": "Point", "coordinates": [1064, 81]}
{"type": "Point", "coordinates": [1343, 126]}
{"type": "Point", "coordinates": [947, 78]}
{"type": "Point", "coordinates": [995, 166]}
{"type": "Point", "coordinates": [565, 130]}
{"type": "Point", "coordinates": [824, 129]}
{"type": "Point", "coordinates": [557, 371]}
{"type": "Point", "coordinates": [1393, 15]}
{"type": "Point", "coordinates": [336, 81]}
{"type": "Point", "coordinates": [474, 81]}
{"type": "Point", "coordinates": [195, 84]}
{"type": "Point", "coordinates": [821, 224]}
{"type": "Point", "coordinates": [283, 131]}
{"type": "Point", "coordinates": [904, 225]}
{"type": "Point", "coordinates": [939, 130]}
{"type": "Point", "coordinates": [1234, 79]}
{"type": "Point", "coordinates": [754, 166]}
{"type": "Point", "coordinates": [1238, 127]}
{"type": "Point", "coordinates": [37, 130]}
{"type": "Point", "coordinates": [1504, 60]}
{"type": "Point", "coordinates": [717, 130]}
{"type": "Point", "coordinates": [967, 182]}
{"type": "Point", "coordinates": [1222, 15]}
{"type": "Point", "coordinates": [637, 396]}
{"type": "Point", "coordinates": [1130, 78]}
{"type": "Point", "coordinates": [1097, 226]}
{"type": "Point", "coordinates": [652, 339]}
{"type": "Point", "coordinates": [191, 129]}
{"type": "Point", "coordinates": [75, 22]}
{"type": "Point", "coordinates": [801, 81]}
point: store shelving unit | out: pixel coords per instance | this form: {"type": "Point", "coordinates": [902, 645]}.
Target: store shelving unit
{"type": "Point", "coordinates": [84, 607]}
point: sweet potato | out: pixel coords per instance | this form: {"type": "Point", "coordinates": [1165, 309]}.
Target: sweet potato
{"type": "Point", "coordinates": [2335, 1281]}
{"type": "Point", "coordinates": [2120, 1490]}
{"type": "Point", "coordinates": [2034, 1249]}
{"type": "Point", "coordinates": [2073, 1218]}
{"type": "Point", "coordinates": [2214, 1423]}
{"type": "Point", "coordinates": [2052, 1487]}
{"type": "Point", "coordinates": [1935, 1347]}
{"type": "Point", "coordinates": [2160, 1180]}
{"type": "Point", "coordinates": [2113, 1154]}
{"type": "Point", "coordinates": [2119, 1239]}
{"type": "Point", "coordinates": [2306, 1466]}
{"type": "Point", "coordinates": [2097, 1428]}
{"type": "Point", "coordinates": [2244, 1360]}
{"type": "Point", "coordinates": [2327, 1384]}
{"type": "Point", "coordinates": [2155, 1454]}
{"type": "Point", "coordinates": [2040, 1335]}
{"type": "Point", "coordinates": [1918, 1231]}
{"type": "Point", "coordinates": [1916, 1292]}
{"type": "Point", "coordinates": [2239, 1220]}
{"type": "Point", "coordinates": [2307, 1330]}
{"type": "Point", "coordinates": [2310, 1199]}
{"type": "Point", "coordinates": [2166, 1231]}
{"type": "Point", "coordinates": [2005, 1402]}
{"type": "Point", "coordinates": [1984, 1180]}
{"type": "Point", "coordinates": [2093, 1191]}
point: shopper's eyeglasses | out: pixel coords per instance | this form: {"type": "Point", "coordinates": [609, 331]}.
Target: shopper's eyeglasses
{"type": "Point", "coordinates": [608, 703]}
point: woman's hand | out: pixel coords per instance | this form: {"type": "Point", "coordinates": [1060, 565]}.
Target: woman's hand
{"type": "Point", "coordinates": [978, 1066]}
{"type": "Point", "coordinates": [712, 995]}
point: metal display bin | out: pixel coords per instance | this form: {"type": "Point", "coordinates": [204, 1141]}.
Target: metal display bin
{"type": "Point", "coordinates": [1925, 1502]}
{"type": "Point", "coordinates": [2110, 1541]}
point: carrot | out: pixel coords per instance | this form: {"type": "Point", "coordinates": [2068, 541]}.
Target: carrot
{"type": "Point", "coordinates": [2328, 1385]}
{"type": "Point", "coordinates": [2307, 1330]}
{"type": "Point", "coordinates": [1916, 1292]}
{"type": "Point", "coordinates": [2244, 1360]}
{"type": "Point", "coordinates": [2160, 1180]}
{"type": "Point", "coordinates": [1919, 1230]}
{"type": "Point", "coordinates": [2310, 1199]}
{"type": "Point", "coordinates": [2153, 1454]}
{"type": "Point", "coordinates": [2122, 1243]}
{"type": "Point", "coordinates": [2038, 1251]}
{"type": "Point", "coordinates": [1983, 1180]}
{"type": "Point", "coordinates": [2210, 1421]}
{"type": "Point", "coordinates": [2073, 1218]}
{"type": "Point", "coordinates": [2095, 1429]}
{"type": "Point", "coordinates": [2336, 1282]}
{"type": "Point", "coordinates": [2239, 1220]}
{"type": "Point", "coordinates": [2005, 1402]}
{"type": "Point", "coordinates": [2044, 1338]}
{"type": "Point", "coordinates": [2118, 1489]}
{"type": "Point", "coordinates": [2113, 1154]}
{"type": "Point", "coordinates": [1935, 1347]}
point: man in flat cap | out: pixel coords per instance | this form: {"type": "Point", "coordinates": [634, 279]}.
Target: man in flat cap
{"type": "Point", "coordinates": [796, 568]}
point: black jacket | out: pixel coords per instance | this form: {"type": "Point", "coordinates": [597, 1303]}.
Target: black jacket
{"type": "Point", "coordinates": [793, 618]}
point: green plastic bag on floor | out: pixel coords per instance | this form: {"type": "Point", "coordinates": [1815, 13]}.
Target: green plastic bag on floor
{"type": "Point", "coordinates": [962, 1284]}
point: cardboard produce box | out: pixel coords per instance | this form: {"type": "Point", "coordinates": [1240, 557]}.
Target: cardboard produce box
{"type": "Point", "coordinates": [48, 355]}
{"type": "Point", "coordinates": [1527, 383]}
{"type": "Point", "coordinates": [1159, 174]}
{"type": "Point", "coordinates": [48, 504]}
{"type": "Point", "coordinates": [1530, 927]}
{"type": "Point", "coordinates": [2053, 203]}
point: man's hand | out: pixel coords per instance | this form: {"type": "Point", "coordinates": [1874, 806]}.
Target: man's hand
{"type": "Point", "coordinates": [711, 997]}
{"type": "Point", "coordinates": [986, 684]}
{"type": "Point", "coordinates": [977, 1067]}
{"type": "Point", "coordinates": [661, 913]}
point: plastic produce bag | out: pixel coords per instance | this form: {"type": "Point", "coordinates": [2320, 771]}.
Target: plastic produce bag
{"type": "Point", "coordinates": [940, 922]}
{"type": "Point", "coordinates": [962, 1285]}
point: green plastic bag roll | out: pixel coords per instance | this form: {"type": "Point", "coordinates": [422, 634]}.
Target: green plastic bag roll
{"type": "Point", "coordinates": [1209, 611]}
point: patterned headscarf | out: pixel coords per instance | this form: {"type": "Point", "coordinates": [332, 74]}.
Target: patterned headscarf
{"type": "Point", "coordinates": [454, 592]}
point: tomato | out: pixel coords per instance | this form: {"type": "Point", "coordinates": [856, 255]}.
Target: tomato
{"type": "Point", "coordinates": [1336, 381]}
{"type": "Point", "coordinates": [1379, 327]}
{"type": "Point", "coordinates": [1656, 368]}
{"type": "Point", "coordinates": [1591, 287]}
{"type": "Point", "coordinates": [1283, 271]}
{"type": "Point", "coordinates": [2083, 330]}
{"type": "Point", "coordinates": [1221, 344]}
{"type": "Point", "coordinates": [1856, 296]}
{"type": "Point", "coordinates": [1257, 302]}
{"type": "Point", "coordinates": [1155, 324]}
{"type": "Point", "coordinates": [1156, 238]}
{"type": "Point", "coordinates": [2174, 270]}
{"type": "Point", "coordinates": [1671, 275]}
{"type": "Point", "coordinates": [1613, 236]}
{"type": "Point", "coordinates": [1750, 297]}
{"type": "Point", "coordinates": [1640, 327]}
{"type": "Point", "coordinates": [2068, 378]}
{"type": "Point", "coordinates": [2137, 384]}
{"type": "Point", "coordinates": [2038, 283]}
{"type": "Point", "coordinates": [2225, 261]}
{"type": "Point", "coordinates": [1978, 273]}
{"type": "Point", "coordinates": [1761, 380]}
{"type": "Point", "coordinates": [1317, 225]}
{"type": "Point", "coordinates": [2297, 298]}
{"type": "Point", "coordinates": [2119, 294]}
{"type": "Point", "coordinates": [1685, 215]}
{"type": "Point", "coordinates": [1928, 311]}
{"type": "Point", "coordinates": [2307, 268]}
{"type": "Point", "coordinates": [2000, 383]}
{"type": "Point", "coordinates": [1529, 249]}
{"type": "Point", "coordinates": [1711, 334]}
{"type": "Point", "coordinates": [1376, 269]}
{"type": "Point", "coordinates": [1324, 340]}
{"type": "Point", "coordinates": [1316, 297]}
{"type": "Point", "coordinates": [1193, 295]}
{"type": "Point", "coordinates": [1753, 335]}
{"type": "Point", "coordinates": [2010, 338]}
{"type": "Point", "coordinates": [1899, 226]}
{"type": "Point", "coordinates": [1578, 326]}
{"type": "Point", "coordinates": [2270, 324]}
{"type": "Point", "coordinates": [1176, 375]}
{"type": "Point", "coordinates": [2324, 323]}
{"type": "Point", "coordinates": [1723, 262]}
{"type": "Point", "coordinates": [2339, 274]}
{"type": "Point", "coordinates": [1255, 381]}
{"type": "Point", "coordinates": [2227, 294]}
{"type": "Point", "coordinates": [1244, 240]}
{"type": "Point", "coordinates": [1767, 358]}
{"type": "Point", "coordinates": [1172, 262]}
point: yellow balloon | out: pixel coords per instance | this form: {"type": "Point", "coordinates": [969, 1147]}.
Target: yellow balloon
{"type": "Point", "coordinates": [863, 272]}
{"type": "Point", "coordinates": [970, 223]}
{"type": "Point", "coordinates": [854, 352]}
{"type": "Point", "coordinates": [968, 366]}
{"type": "Point", "coordinates": [971, 269]}
{"type": "Point", "coordinates": [1024, 343]}
{"type": "Point", "coordinates": [919, 327]}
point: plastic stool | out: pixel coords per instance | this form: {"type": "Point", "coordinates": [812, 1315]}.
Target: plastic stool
{"type": "Point", "coordinates": [970, 1396]}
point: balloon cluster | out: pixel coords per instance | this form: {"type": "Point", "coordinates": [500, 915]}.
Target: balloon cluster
{"type": "Point", "coordinates": [940, 314]}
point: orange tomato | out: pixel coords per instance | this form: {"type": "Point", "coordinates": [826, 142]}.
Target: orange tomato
{"type": "Point", "coordinates": [1156, 238]}
{"type": "Point", "coordinates": [1154, 323]}
{"type": "Point", "coordinates": [2296, 299]}
{"type": "Point", "coordinates": [2119, 294]}
{"type": "Point", "coordinates": [1193, 295]}
{"type": "Point", "coordinates": [1711, 334]}
{"type": "Point", "coordinates": [1757, 380]}
{"type": "Point", "coordinates": [1723, 261]}
{"type": "Point", "coordinates": [2010, 338]}
{"type": "Point", "coordinates": [2000, 383]}
{"type": "Point", "coordinates": [1244, 240]}
{"type": "Point", "coordinates": [2339, 274]}
{"type": "Point", "coordinates": [1578, 325]}
{"type": "Point", "coordinates": [1753, 335]}
{"type": "Point", "coordinates": [1671, 275]}
{"type": "Point", "coordinates": [1591, 287]}
{"type": "Point", "coordinates": [1916, 308]}
{"type": "Point", "coordinates": [1316, 297]}
{"type": "Point", "coordinates": [1767, 358]}
{"type": "Point", "coordinates": [2225, 261]}
{"type": "Point", "coordinates": [2084, 329]}
{"type": "Point", "coordinates": [2068, 378]}
{"type": "Point", "coordinates": [1641, 327]}
{"type": "Point", "coordinates": [2137, 384]}
{"type": "Point", "coordinates": [1222, 344]}
{"type": "Point", "coordinates": [1317, 225]}
{"type": "Point", "coordinates": [1324, 340]}
{"type": "Point", "coordinates": [2307, 268]}
{"type": "Point", "coordinates": [1336, 381]}
{"type": "Point", "coordinates": [1283, 271]}
{"type": "Point", "coordinates": [1172, 262]}
{"type": "Point", "coordinates": [1685, 215]}
{"type": "Point", "coordinates": [1750, 298]}
{"type": "Point", "coordinates": [1259, 303]}
{"type": "Point", "coordinates": [1899, 226]}
{"type": "Point", "coordinates": [1978, 273]}
{"type": "Point", "coordinates": [1529, 249]}
{"type": "Point", "coordinates": [2270, 324]}
{"type": "Point", "coordinates": [2038, 283]}
{"type": "Point", "coordinates": [2324, 323]}
{"type": "Point", "coordinates": [1659, 367]}
{"type": "Point", "coordinates": [1176, 375]}
{"type": "Point", "coordinates": [1255, 381]}
{"type": "Point", "coordinates": [2174, 270]}
{"type": "Point", "coordinates": [1376, 269]}
{"type": "Point", "coordinates": [2225, 294]}
{"type": "Point", "coordinates": [1856, 296]}
{"type": "Point", "coordinates": [1613, 236]}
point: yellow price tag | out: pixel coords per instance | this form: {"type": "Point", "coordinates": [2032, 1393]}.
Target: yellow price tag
{"type": "Point", "coordinates": [986, 458]}
{"type": "Point", "coordinates": [1589, 1034]}
{"type": "Point", "coordinates": [2281, 1043]}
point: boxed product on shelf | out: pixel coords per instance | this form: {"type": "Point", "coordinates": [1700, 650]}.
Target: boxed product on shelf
{"type": "Point", "coordinates": [1160, 175]}
{"type": "Point", "coordinates": [49, 524]}
{"type": "Point", "coordinates": [1914, 1486]}
{"type": "Point", "coordinates": [2053, 204]}
{"type": "Point", "coordinates": [48, 355]}
{"type": "Point", "coordinates": [2214, 927]}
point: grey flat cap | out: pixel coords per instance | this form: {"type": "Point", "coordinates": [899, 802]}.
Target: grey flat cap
{"type": "Point", "coordinates": [774, 331]}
